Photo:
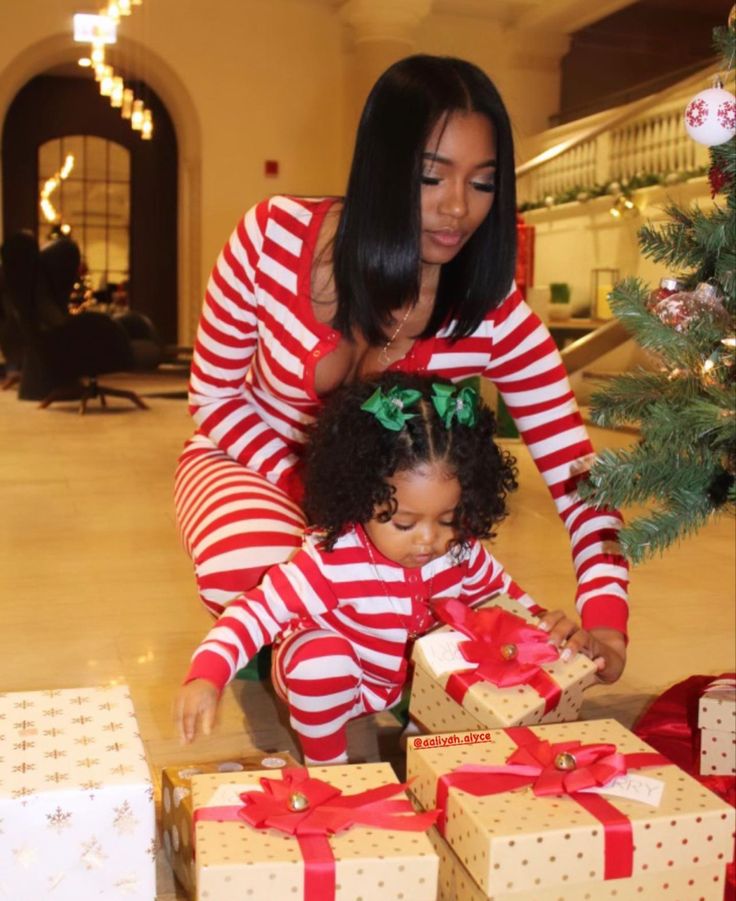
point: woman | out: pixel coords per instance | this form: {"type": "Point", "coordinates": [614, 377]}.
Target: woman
{"type": "Point", "coordinates": [411, 271]}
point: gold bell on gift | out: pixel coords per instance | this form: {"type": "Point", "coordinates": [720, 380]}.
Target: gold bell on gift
{"type": "Point", "coordinates": [565, 761]}
{"type": "Point", "coordinates": [298, 802]}
{"type": "Point", "coordinates": [509, 651]}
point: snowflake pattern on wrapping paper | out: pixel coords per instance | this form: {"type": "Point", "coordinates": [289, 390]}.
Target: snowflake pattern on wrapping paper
{"type": "Point", "coordinates": [127, 885]}
{"type": "Point", "coordinates": [726, 114]}
{"type": "Point", "coordinates": [53, 711]}
{"type": "Point", "coordinates": [79, 700]}
{"type": "Point", "coordinates": [82, 720]}
{"type": "Point", "coordinates": [53, 732]}
{"type": "Point", "coordinates": [24, 767]}
{"type": "Point", "coordinates": [122, 769]}
{"type": "Point", "coordinates": [93, 855]}
{"type": "Point", "coordinates": [51, 692]}
{"type": "Point", "coordinates": [696, 113]}
{"type": "Point", "coordinates": [91, 785]}
{"type": "Point", "coordinates": [152, 849]}
{"type": "Point", "coordinates": [24, 745]}
{"type": "Point", "coordinates": [24, 704]}
{"type": "Point", "coordinates": [112, 727]}
{"type": "Point", "coordinates": [88, 762]}
{"type": "Point", "coordinates": [108, 705]}
{"type": "Point", "coordinates": [25, 856]}
{"type": "Point", "coordinates": [57, 777]}
{"type": "Point", "coordinates": [116, 746]}
{"type": "Point", "coordinates": [59, 820]}
{"type": "Point", "coordinates": [25, 727]}
{"type": "Point", "coordinates": [125, 822]}
{"type": "Point", "coordinates": [55, 754]}
{"type": "Point", "coordinates": [23, 792]}
{"type": "Point", "coordinates": [84, 740]}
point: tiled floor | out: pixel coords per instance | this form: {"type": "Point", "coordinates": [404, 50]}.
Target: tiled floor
{"type": "Point", "coordinates": [96, 587]}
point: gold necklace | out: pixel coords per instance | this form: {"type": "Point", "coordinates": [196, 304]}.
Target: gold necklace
{"type": "Point", "coordinates": [383, 358]}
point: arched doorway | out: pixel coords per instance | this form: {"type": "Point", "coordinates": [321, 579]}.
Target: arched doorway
{"type": "Point", "coordinates": [50, 107]}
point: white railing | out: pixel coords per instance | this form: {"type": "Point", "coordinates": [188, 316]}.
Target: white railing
{"type": "Point", "coordinates": [640, 139]}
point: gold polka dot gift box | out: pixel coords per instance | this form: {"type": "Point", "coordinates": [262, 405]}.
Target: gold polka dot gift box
{"type": "Point", "coordinates": [568, 812]}
{"type": "Point", "coordinates": [493, 668]}
{"type": "Point", "coordinates": [314, 833]}
{"type": "Point", "coordinates": [176, 804]}
{"type": "Point", "coordinates": [717, 724]}
{"type": "Point", "coordinates": [77, 817]}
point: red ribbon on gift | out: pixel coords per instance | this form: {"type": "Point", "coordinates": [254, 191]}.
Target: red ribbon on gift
{"type": "Point", "coordinates": [310, 810]}
{"type": "Point", "coordinates": [506, 648]}
{"type": "Point", "coordinates": [544, 767]}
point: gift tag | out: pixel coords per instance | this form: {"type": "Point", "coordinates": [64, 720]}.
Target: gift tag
{"type": "Point", "coordinates": [229, 795]}
{"type": "Point", "coordinates": [442, 654]}
{"type": "Point", "coordinates": [633, 787]}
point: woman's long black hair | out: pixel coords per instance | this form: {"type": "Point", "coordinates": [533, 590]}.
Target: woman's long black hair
{"type": "Point", "coordinates": [377, 245]}
{"type": "Point", "coordinates": [350, 455]}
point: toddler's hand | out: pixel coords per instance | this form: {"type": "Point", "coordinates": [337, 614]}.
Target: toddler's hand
{"type": "Point", "coordinates": [196, 703]}
{"type": "Point", "coordinates": [605, 647]}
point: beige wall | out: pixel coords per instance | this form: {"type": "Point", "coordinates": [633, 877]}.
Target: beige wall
{"type": "Point", "coordinates": [250, 80]}
{"type": "Point", "coordinates": [573, 239]}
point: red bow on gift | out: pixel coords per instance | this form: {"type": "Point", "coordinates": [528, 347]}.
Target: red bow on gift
{"type": "Point", "coordinates": [310, 810]}
{"type": "Point", "coordinates": [565, 768]}
{"type": "Point", "coordinates": [569, 766]}
{"type": "Point", "coordinates": [506, 648]}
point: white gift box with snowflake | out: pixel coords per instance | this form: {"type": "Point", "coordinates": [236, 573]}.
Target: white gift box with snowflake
{"type": "Point", "coordinates": [77, 817]}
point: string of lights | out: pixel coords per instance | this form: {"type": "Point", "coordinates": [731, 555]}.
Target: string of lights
{"type": "Point", "coordinates": [100, 31]}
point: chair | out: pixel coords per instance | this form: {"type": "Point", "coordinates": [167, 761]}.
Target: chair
{"type": "Point", "coordinates": [84, 347]}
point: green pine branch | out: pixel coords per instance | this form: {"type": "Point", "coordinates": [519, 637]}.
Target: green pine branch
{"type": "Point", "coordinates": [653, 534]}
{"type": "Point", "coordinates": [628, 398]}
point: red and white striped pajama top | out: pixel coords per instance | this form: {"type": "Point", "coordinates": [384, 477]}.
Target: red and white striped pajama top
{"type": "Point", "coordinates": [356, 592]}
{"type": "Point", "coordinates": [252, 394]}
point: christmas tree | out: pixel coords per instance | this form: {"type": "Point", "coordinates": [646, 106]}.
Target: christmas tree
{"type": "Point", "coordinates": [683, 468]}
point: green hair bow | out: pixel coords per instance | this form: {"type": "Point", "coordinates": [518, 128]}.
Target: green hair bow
{"type": "Point", "coordinates": [452, 404]}
{"type": "Point", "coordinates": [389, 408]}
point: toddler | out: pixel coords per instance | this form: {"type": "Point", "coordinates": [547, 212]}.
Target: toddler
{"type": "Point", "coordinates": [403, 480]}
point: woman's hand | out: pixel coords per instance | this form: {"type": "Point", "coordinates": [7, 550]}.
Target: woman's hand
{"type": "Point", "coordinates": [605, 647]}
{"type": "Point", "coordinates": [196, 705]}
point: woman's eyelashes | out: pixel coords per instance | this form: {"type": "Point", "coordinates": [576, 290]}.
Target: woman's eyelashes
{"type": "Point", "coordinates": [488, 187]}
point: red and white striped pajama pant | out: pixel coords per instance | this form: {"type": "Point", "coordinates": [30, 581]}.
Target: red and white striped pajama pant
{"type": "Point", "coordinates": [234, 523]}
{"type": "Point", "coordinates": [320, 677]}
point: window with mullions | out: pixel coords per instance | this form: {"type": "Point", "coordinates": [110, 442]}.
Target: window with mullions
{"type": "Point", "coordinates": [93, 200]}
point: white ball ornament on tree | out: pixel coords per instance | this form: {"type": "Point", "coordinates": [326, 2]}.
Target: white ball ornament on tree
{"type": "Point", "coordinates": [710, 117]}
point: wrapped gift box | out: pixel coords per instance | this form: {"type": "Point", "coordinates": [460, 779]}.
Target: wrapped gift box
{"type": "Point", "coordinates": [686, 883]}
{"type": "Point", "coordinates": [717, 723]}
{"type": "Point", "coordinates": [176, 804]}
{"type": "Point", "coordinates": [518, 845]}
{"type": "Point", "coordinates": [234, 858]}
{"type": "Point", "coordinates": [76, 800]}
{"type": "Point", "coordinates": [436, 656]}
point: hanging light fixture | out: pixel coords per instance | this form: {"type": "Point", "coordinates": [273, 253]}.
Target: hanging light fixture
{"type": "Point", "coordinates": [106, 82]}
{"type": "Point", "coordinates": [126, 109]}
{"type": "Point", "coordinates": [147, 127]}
{"type": "Point", "coordinates": [136, 116]}
{"type": "Point", "coordinates": [116, 95]}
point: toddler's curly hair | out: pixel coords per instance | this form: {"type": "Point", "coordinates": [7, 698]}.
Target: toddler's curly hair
{"type": "Point", "coordinates": [349, 457]}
